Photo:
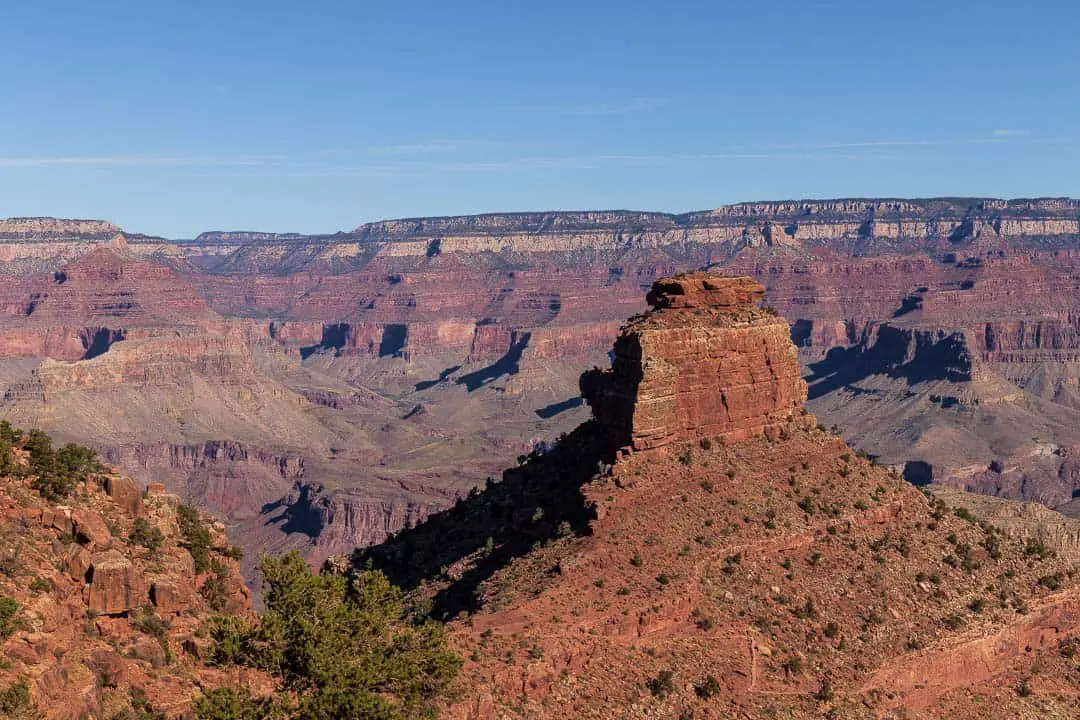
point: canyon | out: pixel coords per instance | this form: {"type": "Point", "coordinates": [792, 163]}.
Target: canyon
{"type": "Point", "coordinates": [325, 392]}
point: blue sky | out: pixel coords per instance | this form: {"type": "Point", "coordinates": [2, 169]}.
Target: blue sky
{"type": "Point", "coordinates": [172, 117]}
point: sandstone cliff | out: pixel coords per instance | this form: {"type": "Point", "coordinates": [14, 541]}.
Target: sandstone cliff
{"type": "Point", "coordinates": [476, 329]}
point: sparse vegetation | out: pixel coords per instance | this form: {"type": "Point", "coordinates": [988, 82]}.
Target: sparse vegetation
{"type": "Point", "coordinates": [15, 703]}
{"type": "Point", "coordinates": [1052, 582]}
{"type": "Point", "coordinates": [338, 648]}
{"type": "Point", "coordinates": [793, 665]}
{"type": "Point", "coordinates": [707, 688]}
{"type": "Point", "coordinates": [663, 684]}
{"type": "Point", "coordinates": [1037, 549]}
{"type": "Point", "coordinates": [686, 457]}
{"type": "Point", "coordinates": [9, 609]}
{"type": "Point", "coordinates": [197, 538]}
{"type": "Point", "coordinates": [145, 535]}
{"type": "Point", "coordinates": [55, 473]}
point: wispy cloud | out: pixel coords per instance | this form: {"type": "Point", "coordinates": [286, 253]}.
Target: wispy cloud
{"type": "Point", "coordinates": [628, 107]}
{"type": "Point", "coordinates": [478, 156]}
{"type": "Point", "coordinates": [416, 148]}
{"type": "Point", "coordinates": [138, 161]}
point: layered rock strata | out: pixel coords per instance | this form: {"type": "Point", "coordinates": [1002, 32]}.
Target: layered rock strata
{"type": "Point", "coordinates": [706, 362]}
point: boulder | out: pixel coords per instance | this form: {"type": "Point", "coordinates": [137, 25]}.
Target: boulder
{"type": "Point", "coordinates": [109, 668]}
{"type": "Point", "coordinates": [125, 493]}
{"type": "Point", "coordinates": [116, 586]}
{"type": "Point", "coordinates": [169, 597]}
{"type": "Point", "coordinates": [76, 562]}
{"type": "Point", "coordinates": [90, 529]}
{"type": "Point", "coordinates": [59, 518]}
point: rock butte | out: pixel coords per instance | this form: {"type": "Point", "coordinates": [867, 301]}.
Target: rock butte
{"type": "Point", "coordinates": [706, 363]}
{"type": "Point", "coordinates": [766, 569]}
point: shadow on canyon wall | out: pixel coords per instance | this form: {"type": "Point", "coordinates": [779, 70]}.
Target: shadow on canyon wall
{"type": "Point", "coordinates": [536, 501]}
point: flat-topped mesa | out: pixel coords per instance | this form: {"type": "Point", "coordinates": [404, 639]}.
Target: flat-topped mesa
{"type": "Point", "coordinates": [706, 362]}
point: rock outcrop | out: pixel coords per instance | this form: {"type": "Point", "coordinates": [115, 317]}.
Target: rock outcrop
{"type": "Point", "coordinates": [115, 585]}
{"type": "Point", "coordinates": [102, 601]}
{"type": "Point", "coordinates": [706, 362]}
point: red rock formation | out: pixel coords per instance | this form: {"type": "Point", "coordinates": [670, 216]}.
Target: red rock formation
{"type": "Point", "coordinates": [99, 615]}
{"type": "Point", "coordinates": [706, 362]}
{"type": "Point", "coordinates": [115, 585]}
{"type": "Point", "coordinates": [402, 309]}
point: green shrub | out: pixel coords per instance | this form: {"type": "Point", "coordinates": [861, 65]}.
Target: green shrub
{"type": "Point", "coordinates": [215, 589]}
{"type": "Point", "coordinates": [197, 538]}
{"type": "Point", "coordinates": [9, 608]}
{"type": "Point", "coordinates": [56, 472]}
{"type": "Point", "coordinates": [663, 684]}
{"type": "Point", "coordinates": [825, 691]}
{"type": "Point", "coordinates": [707, 688]}
{"type": "Point", "coordinates": [228, 703]}
{"type": "Point", "coordinates": [9, 434]}
{"type": "Point", "coordinates": [338, 650]}
{"type": "Point", "coordinates": [145, 535]}
{"type": "Point", "coordinates": [1036, 548]}
{"type": "Point", "coordinates": [15, 703]}
{"type": "Point", "coordinates": [145, 620]}
{"type": "Point", "coordinates": [1051, 582]}
{"type": "Point", "coordinates": [964, 514]}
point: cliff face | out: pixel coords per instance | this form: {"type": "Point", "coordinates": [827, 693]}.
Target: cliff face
{"type": "Point", "coordinates": [707, 362]}
{"type": "Point", "coordinates": [771, 574]}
